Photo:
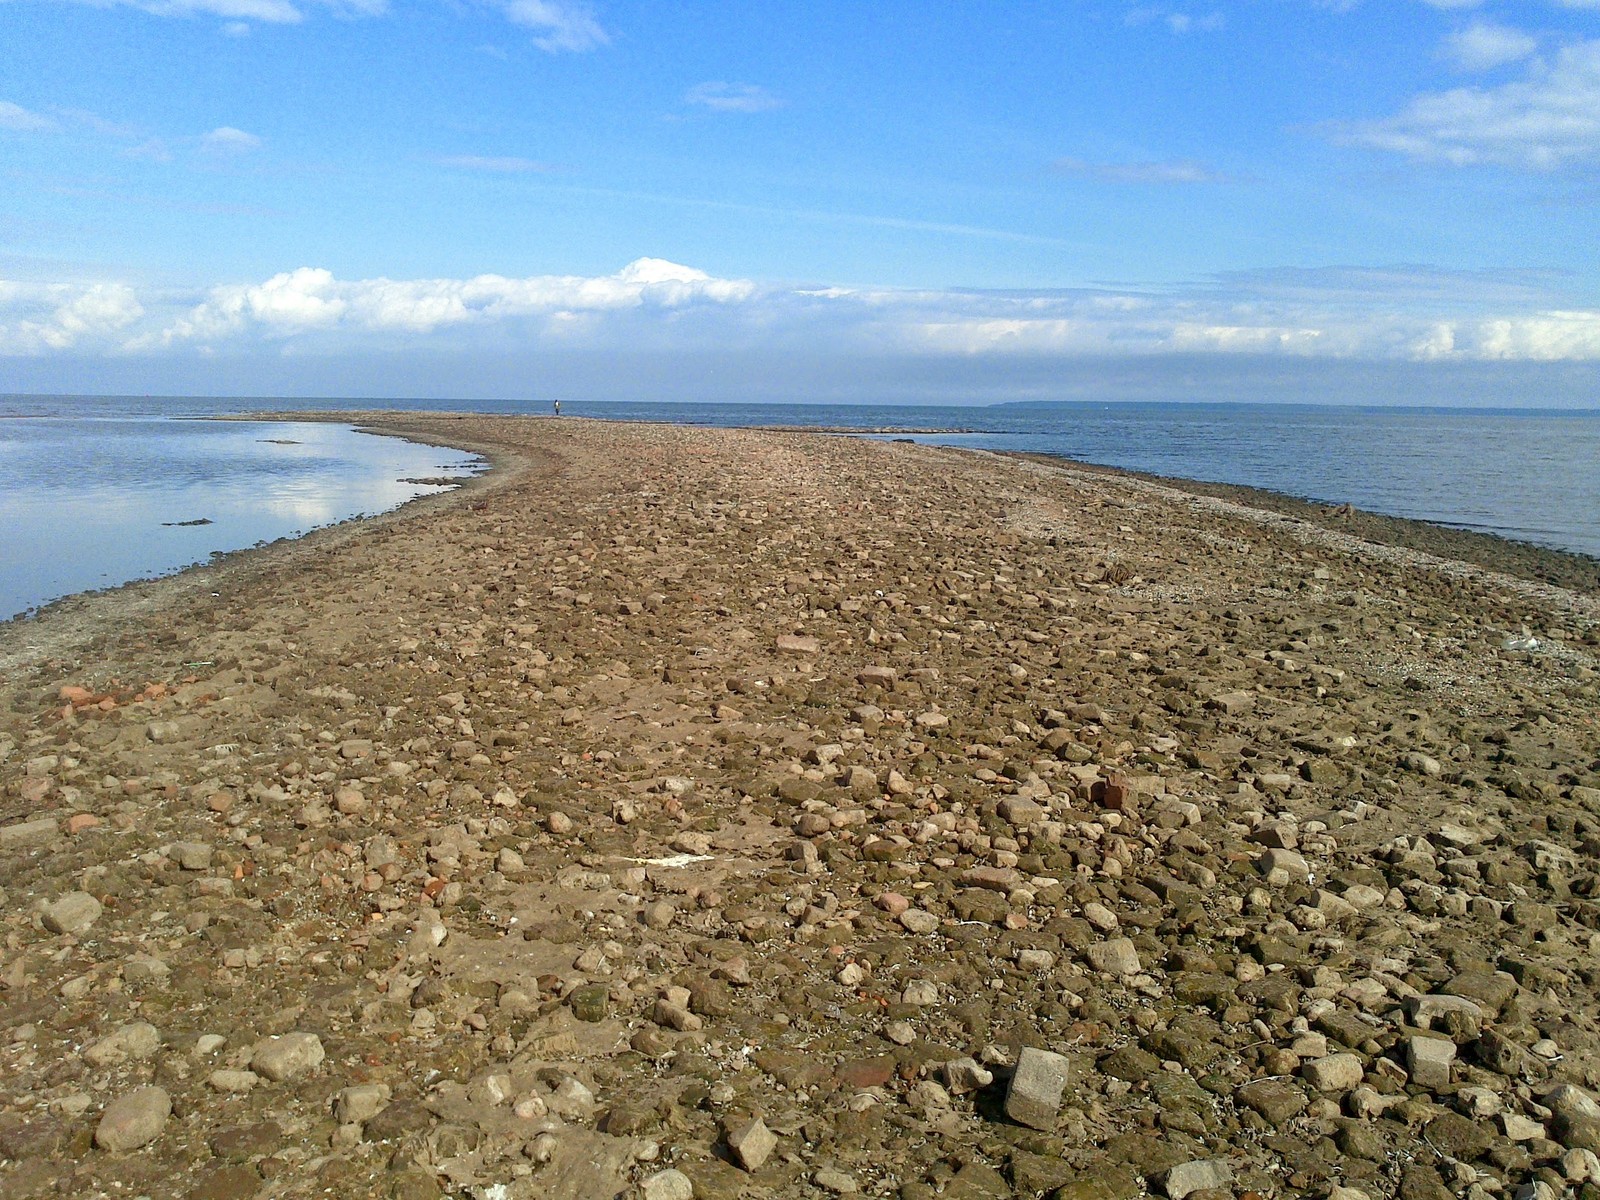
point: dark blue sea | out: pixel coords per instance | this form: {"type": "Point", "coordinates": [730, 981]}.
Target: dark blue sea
{"type": "Point", "coordinates": [91, 489]}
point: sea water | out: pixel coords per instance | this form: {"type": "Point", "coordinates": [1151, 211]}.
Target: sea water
{"type": "Point", "coordinates": [90, 500]}
{"type": "Point", "coordinates": [94, 491]}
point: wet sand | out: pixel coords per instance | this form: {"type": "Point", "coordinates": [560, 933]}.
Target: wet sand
{"type": "Point", "coordinates": [715, 812]}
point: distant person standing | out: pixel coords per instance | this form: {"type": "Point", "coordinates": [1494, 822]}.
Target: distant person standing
{"type": "Point", "coordinates": [558, 407]}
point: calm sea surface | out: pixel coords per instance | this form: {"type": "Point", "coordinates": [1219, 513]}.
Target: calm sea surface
{"type": "Point", "coordinates": [91, 490]}
{"type": "Point", "coordinates": [93, 501]}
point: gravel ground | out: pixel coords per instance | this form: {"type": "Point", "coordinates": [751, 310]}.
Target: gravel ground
{"type": "Point", "coordinates": [712, 813]}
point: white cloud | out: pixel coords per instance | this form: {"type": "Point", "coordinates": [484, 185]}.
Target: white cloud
{"type": "Point", "coordinates": [1482, 46]}
{"type": "Point", "coordinates": [225, 139]}
{"type": "Point", "coordinates": [1396, 314]}
{"type": "Point", "coordinates": [310, 299]}
{"type": "Point", "coordinates": [16, 119]}
{"type": "Point", "coordinates": [1546, 121]}
{"type": "Point", "coordinates": [1544, 337]}
{"type": "Point", "coordinates": [1182, 171]}
{"type": "Point", "coordinates": [562, 24]}
{"type": "Point", "coordinates": [503, 165]}
{"type": "Point", "coordinates": [732, 97]}
{"type": "Point", "coordinates": [39, 318]}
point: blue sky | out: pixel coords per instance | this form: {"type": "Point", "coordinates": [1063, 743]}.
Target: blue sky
{"type": "Point", "coordinates": [719, 200]}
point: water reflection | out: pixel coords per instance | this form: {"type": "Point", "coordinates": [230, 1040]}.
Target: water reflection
{"type": "Point", "coordinates": [90, 503]}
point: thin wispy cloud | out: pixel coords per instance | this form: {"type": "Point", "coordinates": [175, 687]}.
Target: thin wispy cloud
{"type": "Point", "coordinates": [731, 97]}
{"type": "Point", "coordinates": [1152, 173]}
{"type": "Point", "coordinates": [150, 150]}
{"type": "Point", "coordinates": [561, 26]}
{"type": "Point", "coordinates": [1176, 21]}
{"type": "Point", "coordinates": [225, 139]}
{"type": "Point", "coordinates": [240, 13]}
{"type": "Point", "coordinates": [495, 164]}
{"type": "Point", "coordinates": [1545, 121]}
{"type": "Point", "coordinates": [16, 119]}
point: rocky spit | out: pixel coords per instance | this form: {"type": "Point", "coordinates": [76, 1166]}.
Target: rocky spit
{"type": "Point", "coordinates": [683, 813]}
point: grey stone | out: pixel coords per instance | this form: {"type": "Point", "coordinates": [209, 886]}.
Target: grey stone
{"type": "Point", "coordinates": [133, 1120]}
{"type": "Point", "coordinates": [1035, 1090]}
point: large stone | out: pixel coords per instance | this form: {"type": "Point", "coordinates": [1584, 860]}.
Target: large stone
{"type": "Point", "coordinates": [1334, 1073]}
{"type": "Point", "coordinates": [1118, 957]}
{"type": "Point", "coordinates": [73, 913]}
{"type": "Point", "coordinates": [667, 1185]}
{"type": "Point", "coordinates": [1034, 1094]}
{"type": "Point", "coordinates": [138, 1040]}
{"type": "Point", "coordinates": [1276, 1100]}
{"type": "Point", "coordinates": [133, 1120]}
{"type": "Point", "coordinates": [1438, 1012]}
{"type": "Point", "coordinates": [752, 1143]}
{"type": "Point", "coordinates": [1280, 867]}
{"type": "Point", "coordinates": [1428, 1060]}
{"type": "Point", "coordinates": [280, 1058]}
{"type": "Point", "coordinates": [1195, 1176]}
{"type": "Point", "coordinates": [360, 1103]}
{"type": "Point", "coordinates": [38, 832]}
{"type": "Point", "coordinates": [1491, 989]}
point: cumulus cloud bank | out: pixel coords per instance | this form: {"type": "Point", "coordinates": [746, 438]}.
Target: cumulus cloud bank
{"type": "Point", "coordinates": [1396, 314]}
{"type": "Point", "coordinates": [40, 318]}
{"type": "Point", "coordinates": [311, 298]}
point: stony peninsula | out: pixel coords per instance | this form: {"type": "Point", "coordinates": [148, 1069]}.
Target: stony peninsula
{"type": "Point", "coordinates": [681, 813]}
